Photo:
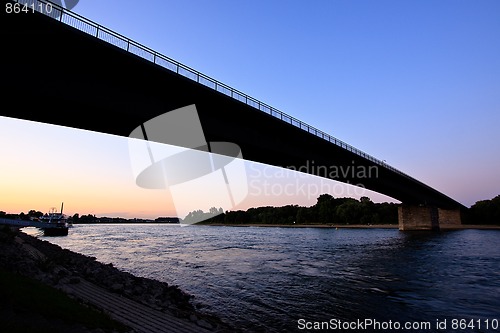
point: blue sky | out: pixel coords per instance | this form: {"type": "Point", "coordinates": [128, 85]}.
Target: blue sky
{"type": "Point", "coordinates": [415, 83]}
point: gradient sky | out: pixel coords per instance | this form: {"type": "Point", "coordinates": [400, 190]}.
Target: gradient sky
{"type": "Point", "coordinates": [415, 83]}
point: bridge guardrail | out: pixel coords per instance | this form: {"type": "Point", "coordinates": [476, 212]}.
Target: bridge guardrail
{"type": "Point", "coordinates": [100, 32]}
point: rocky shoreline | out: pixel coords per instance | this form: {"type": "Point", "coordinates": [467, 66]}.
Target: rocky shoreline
{"type": "Point", "coordinates": [50, 264]}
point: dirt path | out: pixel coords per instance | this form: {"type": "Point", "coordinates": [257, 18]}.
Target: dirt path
{"type": "Point", "coordinates": [137, 316]}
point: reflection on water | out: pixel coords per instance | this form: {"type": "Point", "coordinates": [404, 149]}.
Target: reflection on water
{"type": "Point", "coordinates": [266, 279]}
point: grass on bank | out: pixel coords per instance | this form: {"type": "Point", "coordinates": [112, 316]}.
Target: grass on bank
{"type": "Point", "coordinates": [27, 305]}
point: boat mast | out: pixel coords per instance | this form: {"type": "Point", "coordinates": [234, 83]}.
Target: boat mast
{"type": "Point", "coordinates": [62, 205]}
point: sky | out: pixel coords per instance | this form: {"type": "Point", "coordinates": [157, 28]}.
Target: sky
{"type": "Point", "coordinates": [413, 83]}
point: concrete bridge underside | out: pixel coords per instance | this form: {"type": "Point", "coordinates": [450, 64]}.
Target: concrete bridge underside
{"type": "Point", "coordinates": [53, 73]}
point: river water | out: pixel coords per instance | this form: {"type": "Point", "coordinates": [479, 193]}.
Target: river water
{"type": "Point", "coordinates": [299, 279]}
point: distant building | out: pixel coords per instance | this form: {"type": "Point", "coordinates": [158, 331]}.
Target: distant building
{"type": "Point", "coordinates": [136, 220]}
{"type": "Point", "coordinates": [167, 220]}
{"type": "Point", "coordinates": [105, 219]}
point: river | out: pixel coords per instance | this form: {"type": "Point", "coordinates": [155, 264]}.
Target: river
{"type": "Point", "coordinates": [300, 279]}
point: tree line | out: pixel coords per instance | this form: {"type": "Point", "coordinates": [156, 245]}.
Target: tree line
{"type": "Point", "coordinates": [87, 219]}
{"type": "Point", "coordinates": [484, 212]}
{"type": "Point", "coordinates": [341, 211]}
{"type": "Point", "coordinates": [327, 210]}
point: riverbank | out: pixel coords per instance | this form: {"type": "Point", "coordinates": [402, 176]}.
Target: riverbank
{"type": "Point", "coordinates": [355, 226]}
{"type": "Point", "coordinates": [334, 226]}
{"type": "Point", "coordinates": [119, 300]}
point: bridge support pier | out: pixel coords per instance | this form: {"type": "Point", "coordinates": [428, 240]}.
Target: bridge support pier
{"type": "Point", "coordinates": [413, 217]}
{"type": "Point", "coordinates": [449, 218]}
{"type": "Point", "coordinates": [418, 217]}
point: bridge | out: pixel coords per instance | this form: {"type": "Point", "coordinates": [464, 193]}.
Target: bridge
{"type": "Point", "coordinates": [61, 68]}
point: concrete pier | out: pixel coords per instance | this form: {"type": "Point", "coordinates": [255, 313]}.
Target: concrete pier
{"type": "Point", "coordinates": [418, 217]}
{"type": "Point", "coordinates": [449, 217]}
{"type": "Point", "coordinates": [412, 217]}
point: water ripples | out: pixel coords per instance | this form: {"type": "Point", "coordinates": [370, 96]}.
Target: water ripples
{"type": "Point", "coordinates": [265, 279]}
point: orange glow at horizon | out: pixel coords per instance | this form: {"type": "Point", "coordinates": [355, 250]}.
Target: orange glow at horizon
{"type": "Point", "coordinates": [45, 165]}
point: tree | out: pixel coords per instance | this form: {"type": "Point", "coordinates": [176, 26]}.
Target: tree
{"type": "Point", "coordinates": [305, 215]}
{"type": "Point", "coordinates": [485, 212]}
{"type": "Point", "coordinates": [88, 219]}
{"type": "Point", "coordinates": [239, 217]}
{"type": "Point", "coordinates": [349, 212]}
{"type": "Point", "coordinates": [35, 214]}
{"type": "Point", "coordinates": [365, 200]}
{"type": "Point", "coordinates": [194, 216]}
{"type": "Point", "coordinates": [325, 208]}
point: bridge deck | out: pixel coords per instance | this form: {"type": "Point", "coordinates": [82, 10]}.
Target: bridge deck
{"type": "Point", "coordinates": [60, 75]}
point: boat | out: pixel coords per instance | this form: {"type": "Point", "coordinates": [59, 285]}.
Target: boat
{"type": "Point", "coordinates": [53, 223]}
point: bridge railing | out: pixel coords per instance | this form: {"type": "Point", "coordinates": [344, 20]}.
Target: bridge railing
{"type": "Point", "coordinates": [85, 25]}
